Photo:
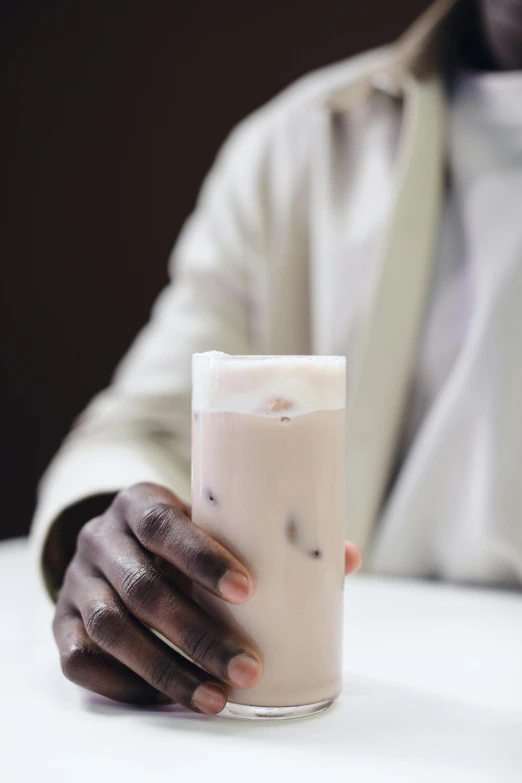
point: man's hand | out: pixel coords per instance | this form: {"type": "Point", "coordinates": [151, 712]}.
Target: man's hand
{"type": "Point", "coordinates": [128, 574]}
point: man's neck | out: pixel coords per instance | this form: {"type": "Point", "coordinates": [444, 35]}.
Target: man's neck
{"type": "Point", "coordinates": [489, 34]}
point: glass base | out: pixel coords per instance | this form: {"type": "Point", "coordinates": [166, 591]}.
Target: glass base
{"type": "Point", "coordinates": [250, 712]}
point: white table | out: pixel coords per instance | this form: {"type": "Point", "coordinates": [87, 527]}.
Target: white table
{"type": "Point", "coordinates": [433, 692]}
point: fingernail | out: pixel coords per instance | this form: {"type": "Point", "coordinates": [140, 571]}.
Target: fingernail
{"type": "Point", "coordinates": [234, 587]}
{"type": "Point", "coordinates": [244, 671]}
{"type": "Point", "coordinates": [209, 699]}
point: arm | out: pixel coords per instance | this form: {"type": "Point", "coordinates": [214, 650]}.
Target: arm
{"type": "Point", "coordinates": [139, 428]}
{"type": "Point", "coordinates": [112, 528]}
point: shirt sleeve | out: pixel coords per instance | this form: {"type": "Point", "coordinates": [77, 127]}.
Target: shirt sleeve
{"type": "Point", "coordinates": [139, 428]}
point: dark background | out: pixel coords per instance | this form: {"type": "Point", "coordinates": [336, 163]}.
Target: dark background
{"type": "Point", "coordinates": [111, 113]}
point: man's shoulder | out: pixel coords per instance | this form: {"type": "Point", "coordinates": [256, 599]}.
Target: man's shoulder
{"type": "Point", "coordinates": [294, 107]}
{"type": "Point", "coordinates": [316, 87]}
{"type": "Point", "coordinates": [284, 127]}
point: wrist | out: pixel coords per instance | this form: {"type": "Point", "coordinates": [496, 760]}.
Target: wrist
{"type": "Point", "coordinates": [61, 540]}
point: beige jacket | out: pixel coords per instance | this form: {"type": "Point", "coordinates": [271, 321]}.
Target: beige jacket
{"type": "Point", "coordinates": [264, 266]}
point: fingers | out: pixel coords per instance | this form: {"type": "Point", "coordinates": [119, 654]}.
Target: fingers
{"type": "Point", "coordinates": [352, 558]}
{"type": "Point", "coordinates": [86, 665]}
{"type": "Point", "coordinates": [154, 516]}
{"type": "Point", "coordinates": [158, 604]}
{"type": "Point", "coordinates": [114, 631]}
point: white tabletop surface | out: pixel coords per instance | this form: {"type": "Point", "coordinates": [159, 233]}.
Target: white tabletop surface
{"type": "Point", "coordinates": [433, 692]}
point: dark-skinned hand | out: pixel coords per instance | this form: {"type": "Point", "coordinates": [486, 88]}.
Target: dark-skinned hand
{"type": "Point", "coordinates": [132, 571]}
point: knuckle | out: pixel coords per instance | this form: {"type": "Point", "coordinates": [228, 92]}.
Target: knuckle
{"type": "Point", "coordinates": [75, 662]}
{"type": "Point", "coordinates": [88, 534]}
{"type": "Point", "coordinates": [124, 498]}
{"type": "Point", "coordinates": [141, 585]}
{"type": "Point", "coordinates": [202, 645]}
{"type": "Point", "coordinates": [104, 623]}
{"type": "Point", "coordinates": [71, 579]}
{"type": "Point", "coordinates": [200, 559]}
{"type": "Point", "coordinates": [156, 523]}
{"type": "Point", "coordinates": [130, 495]}
{"type": "Point", "coordinates": [164, 674]}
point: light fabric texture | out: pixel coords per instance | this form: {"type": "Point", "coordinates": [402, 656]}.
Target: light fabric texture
{"type": "Point", "coordinates": [316, 232]}
{"type": "Point", "coordinates": [456, 510]}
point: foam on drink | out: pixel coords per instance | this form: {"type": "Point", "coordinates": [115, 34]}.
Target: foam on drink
{"type": "Point", "coordinates": [263, 385]}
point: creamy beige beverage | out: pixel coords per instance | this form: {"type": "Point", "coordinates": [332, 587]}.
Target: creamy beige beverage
{"type": "Point", "coordinates": [268, 483]}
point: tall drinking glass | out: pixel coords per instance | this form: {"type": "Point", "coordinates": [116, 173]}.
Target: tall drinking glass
{"type": "Point", "coordinates": [268, 474]}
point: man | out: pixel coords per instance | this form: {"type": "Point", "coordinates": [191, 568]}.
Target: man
{"type": "Point", "coordinates": [372, 210]}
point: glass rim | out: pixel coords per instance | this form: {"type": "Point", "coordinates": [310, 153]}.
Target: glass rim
{"type": "Point", "coordinates": [230, 357]}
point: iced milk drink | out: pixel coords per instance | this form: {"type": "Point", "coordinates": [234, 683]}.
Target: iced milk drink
{"type": "Point", "coordinates": [268, 483]}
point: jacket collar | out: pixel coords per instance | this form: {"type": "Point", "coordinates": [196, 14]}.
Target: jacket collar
{"type": "Point", "coordinates": [423, 45]}
{"type": "Point", "coordinates": [416, 53]}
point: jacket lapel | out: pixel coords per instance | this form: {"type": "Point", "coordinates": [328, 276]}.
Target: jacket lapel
{"type": "Point", "coordinates": [383, 367]}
